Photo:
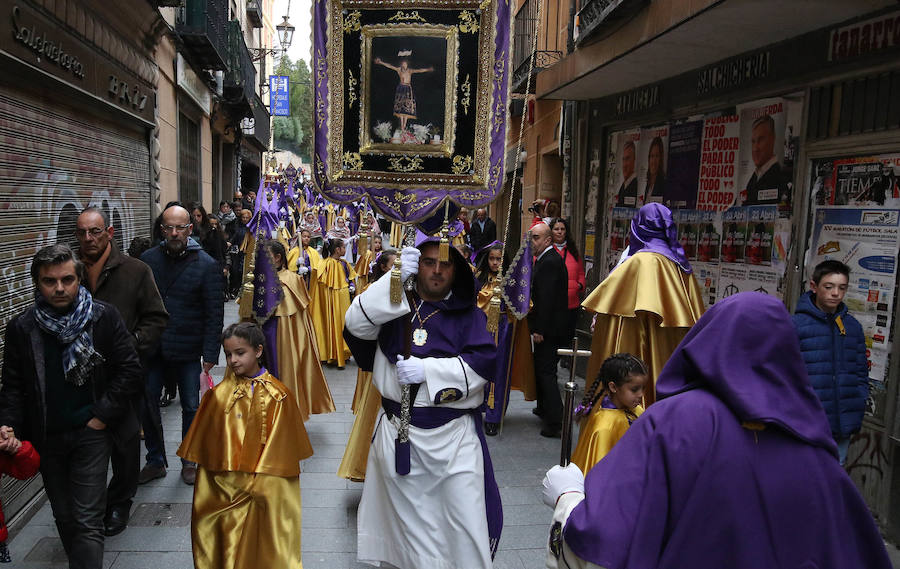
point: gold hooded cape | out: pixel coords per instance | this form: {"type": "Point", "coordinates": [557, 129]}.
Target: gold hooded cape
{"type": "Point", "coordinates": [297, 349]}
{"type": "Point", "coordinates": [247, 440]}
{"type": "Point", "coordinates": [599, 432]}
{"type": "Point", "coordinates": [644, 307]}
{"type": "Point", "coordinates": [330, 302]}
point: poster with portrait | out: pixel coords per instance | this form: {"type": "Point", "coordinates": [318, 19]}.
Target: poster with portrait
{"type": "Point", "coordinates": [684, 165]}
{"type": "Point", "coordinates": [768, 147]}
{"type": "Point", "coordinates": [626, 186]}
{"type": "Point", "coordinates": [866, 240]}
{"type": "Point", "coordinates": [651, 164]}
{"type": "Point", "coordinates": [709, 237]}
{"type": "Point", "coordinates": [688, 223]}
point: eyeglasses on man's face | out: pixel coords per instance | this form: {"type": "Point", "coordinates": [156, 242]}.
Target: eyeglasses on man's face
{"type": "Point", "coordinates": [178, 228]}
{"type": "Point", "coordinates": [93, 232]}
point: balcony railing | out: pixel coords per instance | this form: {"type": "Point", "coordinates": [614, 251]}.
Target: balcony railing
{"type": "Point", "coordinates": [201, 26]}
{"type": "Point", "coordinates": [240, 76]}
{"type": "Point", "coordinates": [254, 13]}
{"type": "Point", "coordinates": [261, 123]}
{"type": "Point", "coordinates": [598, 19]}
{"type": "Point", "coordinates": [547, 51]}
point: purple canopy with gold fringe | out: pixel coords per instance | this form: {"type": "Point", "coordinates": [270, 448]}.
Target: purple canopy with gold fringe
{"type": "Point", "coordinates": [411, 103]}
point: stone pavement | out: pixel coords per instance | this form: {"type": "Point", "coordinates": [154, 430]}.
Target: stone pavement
{"type": "Point", "coordinates": [158, 536]}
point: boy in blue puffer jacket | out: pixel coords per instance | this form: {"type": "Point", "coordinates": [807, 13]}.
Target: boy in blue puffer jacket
{"type": "Point", "coordinates": [834, 350]}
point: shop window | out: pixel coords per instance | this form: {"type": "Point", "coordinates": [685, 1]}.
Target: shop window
{"type": "Point", "coordinates": [188, 159]}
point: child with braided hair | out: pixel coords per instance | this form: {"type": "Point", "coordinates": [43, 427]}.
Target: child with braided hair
{"type": "Point", "coordinates": [621, 383]}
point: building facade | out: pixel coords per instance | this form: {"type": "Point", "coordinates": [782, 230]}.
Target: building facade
{"type": "Point", "coordinates": [772, 129]}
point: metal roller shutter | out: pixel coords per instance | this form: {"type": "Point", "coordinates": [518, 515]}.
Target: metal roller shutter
{"type": "Point", "coordinates": [54, 162]}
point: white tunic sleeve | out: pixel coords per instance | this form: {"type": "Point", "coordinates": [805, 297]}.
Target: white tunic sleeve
{"type": "Point", "coordinates": [566, 559]}
{"type": "Point", "coordinates": [373, 308]}
{"type": "Point", "coordinates": [451, 381]}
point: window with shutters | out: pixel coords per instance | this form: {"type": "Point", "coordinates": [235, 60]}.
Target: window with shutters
{"type": "Point", "coordinates": [188, 159]}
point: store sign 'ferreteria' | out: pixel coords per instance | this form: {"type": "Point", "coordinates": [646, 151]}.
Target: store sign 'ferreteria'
{"type": "Point", "coordinates": [733, 73]}
{"type": "Point", "coordinates": [640, 99]}
{"type": "Point", "coordinates": [45, 46]}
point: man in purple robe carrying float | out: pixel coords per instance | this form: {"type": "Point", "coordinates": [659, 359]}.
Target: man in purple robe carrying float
{"type": "Point", "coordinates": [433, 503]}
{"type": "Point", "coordinates": [734, 466]}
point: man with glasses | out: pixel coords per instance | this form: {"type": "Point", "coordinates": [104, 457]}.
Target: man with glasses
{"type": "Point", "coordinates": [127, 284]}
{"type": "Point", "coordinates": [191, 286]}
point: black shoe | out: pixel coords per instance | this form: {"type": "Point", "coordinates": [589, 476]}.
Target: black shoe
{"type": "Point", "coordinates": [551, 432]}
{"type": "Point", "coordinates": [189, 474]}
{"type": "Point", "coordinates": [151, 472]}
{"type": "Point", "coordinates": [537, 411]}
{"type": "Point", "coordinates": [116, 522]}
{"type": "Point", "coordinates": [166, 399]}
{"type": "Point", "coordinates": [491, 429]}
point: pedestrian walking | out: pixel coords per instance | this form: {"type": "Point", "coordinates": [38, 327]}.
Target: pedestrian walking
{"type": "Point", "coordinates": [190, 283]}
{"type": "Point", "coordinates": [70, 373]}
{"type": "Point", "coordinates": [128, 285]}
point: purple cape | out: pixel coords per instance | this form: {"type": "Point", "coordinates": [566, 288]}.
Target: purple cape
{"type": "Point", "coordinates": [689, 486]}
{"type": "Point", "coordinates": [654, 230]}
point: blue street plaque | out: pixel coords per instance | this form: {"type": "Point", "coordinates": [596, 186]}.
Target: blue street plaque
{"type": "Point", "coordinates": [279, 93]}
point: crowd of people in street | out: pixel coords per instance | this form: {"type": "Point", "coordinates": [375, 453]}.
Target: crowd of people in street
{"type": "Point", "coordinates": [736, 418]}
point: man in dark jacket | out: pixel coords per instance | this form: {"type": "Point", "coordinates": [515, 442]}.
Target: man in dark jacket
{"type": "Point", "coordinates": [548, 321]}
{"type": "Point", "coordinates": [70, 372]}
{"type": "Point", "coordinates": [190, 283]}
{"type": "Point", "coordinates": [483, 230]}
{"type": "Point", "coordinates": [834, 350]}
{"type": "Point", "coordinates": [127, 284]}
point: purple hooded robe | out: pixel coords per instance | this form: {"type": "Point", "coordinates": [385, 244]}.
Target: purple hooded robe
{"type": "Point", "coordinates": [735, 465]}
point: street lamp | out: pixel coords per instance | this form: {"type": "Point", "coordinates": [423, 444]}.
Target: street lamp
{"type": "Point", "coordinates": [285, 33]}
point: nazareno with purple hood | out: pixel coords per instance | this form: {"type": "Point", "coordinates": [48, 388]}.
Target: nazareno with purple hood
{"type": "Point", "coordinates": [734, 466]}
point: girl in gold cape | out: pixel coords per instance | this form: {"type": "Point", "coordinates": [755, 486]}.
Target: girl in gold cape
{"type": "Point", "coordinates": [366, 400]}
{"type": "Point", "coordinates": [297, 350]}
{"type": "Point", "coordinates": [606, 413]}
{"type": "Point", "coordinates": [335, 279]}
{"type": "Point", "coordinates": [515, 366]}
{"type": "Point", "coordinates": [247, 440]}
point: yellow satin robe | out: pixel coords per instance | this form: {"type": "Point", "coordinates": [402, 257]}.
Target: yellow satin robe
{"type": "Point", "coordinates": [297, 349]}
{"type": "Point", "coordinates": [330, 303]}
{"type": "Point", "coordinates": [366, 257]}
{"type": "Point", "coordinates": [366, 404]}
{"type": "Point", "coordinates": [521, 368]}
{"type": "Point", "coordinates": [599, 432]}
{"type": "Point", "coordinates": [644, 307]}
{"type": "Point", "coordinates": [247, 440]}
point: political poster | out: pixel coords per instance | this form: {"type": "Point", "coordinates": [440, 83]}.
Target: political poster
{"type": "Point", "coordinates": [867, 240]}
{"type": "Point", "coordinates": [684, 165]}
{"type": "Point", "coordinates": [651, 165]}
{"type": "Point", "coordinates": [735, 278]}
{"type": "Point", "coordinates": [734, 235]}
{"type": "Point", "coordinates": [767, 151]}
{"type": "Point", "coordinates": [626, 190]}
{"type": "Point", "coordinates": [760, 234]}
{"type": "Point", "coordinates": [718, 162]}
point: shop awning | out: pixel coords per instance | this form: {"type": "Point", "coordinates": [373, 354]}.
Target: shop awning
{"type": "Point", "coordinates": [722, 30]}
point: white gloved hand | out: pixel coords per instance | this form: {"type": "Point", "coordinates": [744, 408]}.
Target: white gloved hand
{"type": "Point", "coordinates": [410, 371]}
{"type": "Point", "coordinates": [302, 269]}
{"type": "Point", "coordinates": [409, 262]}
{"type": "Point", "coordinates": [559, 480]}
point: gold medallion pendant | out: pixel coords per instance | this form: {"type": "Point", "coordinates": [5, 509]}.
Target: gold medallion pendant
{"type": "Point", "coordinates": [420, 336]}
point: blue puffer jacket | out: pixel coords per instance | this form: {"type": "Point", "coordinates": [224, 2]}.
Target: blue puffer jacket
{"type": "Point", "coordinates": [836, 362]}
{"type": "Point", "coordinates": [191, 288]}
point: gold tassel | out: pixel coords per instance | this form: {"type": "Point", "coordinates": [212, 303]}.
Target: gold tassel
{"type": "Point", "coordinates": [493, 312]}
{"type": "Point", "coordinates": [396, 285]}
{"type": "Point", "coordinates": [444, 248]}
{"type": "Point", "coordinates": [490, 401]}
